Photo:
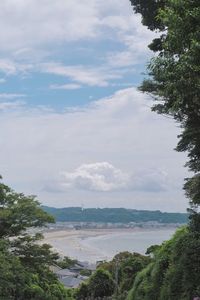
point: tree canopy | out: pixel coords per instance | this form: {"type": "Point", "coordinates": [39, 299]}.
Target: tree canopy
{"type": "Point", "coordinates": [100, 285]}
{"type": "Point", "coordinates": [174, 78]}
{"type": "Point", "coordinates": [174, 271]}
{"type": "Point", "coordinates": [174, 82]}
{"type": "Point", "coordinates": [25, 263]}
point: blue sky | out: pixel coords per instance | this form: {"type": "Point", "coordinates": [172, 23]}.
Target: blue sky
{"type": "Point", "coordinates": [74, 128]}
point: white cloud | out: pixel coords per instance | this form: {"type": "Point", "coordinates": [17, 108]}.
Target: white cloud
{"type": "Point", "coordinates": [7, 67]}
{"type": "Point", "coordinates": [118, 22]}
{"type": "Point", "coordinates": [32, 31]}
{"type": "Point", "coordinates": [34, 23]}
{"type": "Point", "coordinates": [104, 177]}
{"type": "Point", "coordinates": [68, 86]}
{"type": "Point", "coordinates": [85, 75]}
{"type": "Point", "coordinates": [37, 144]}
{"type": "Point", "coordinates": [34, 35]}
{"type": "Point", "coordinates": [11, 96]}
{"type": "Point", "coordinates": [4, 106]}
{"type": "Point", "coordinates": [11, 67]}
{"type": "Point", "coordinates": [99, 176]}
{"type": "Point", "coordinates": [120, 130]}
{"type": "Point", "coordinates": [122, 59]}
{"type": "Point", "coordinates": [151, 180]}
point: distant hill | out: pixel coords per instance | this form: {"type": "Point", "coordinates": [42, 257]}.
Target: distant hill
{"type": "Point", "coordinates": [113, 215]}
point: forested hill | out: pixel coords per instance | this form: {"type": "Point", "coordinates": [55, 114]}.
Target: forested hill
{"type": "Point", "coordinates": [113, 215]}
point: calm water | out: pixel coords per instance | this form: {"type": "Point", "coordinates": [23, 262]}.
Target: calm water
{"type": "Point", "coordinates": [87, 247]}
{"type": "Point", "coordinates": [114, 243]}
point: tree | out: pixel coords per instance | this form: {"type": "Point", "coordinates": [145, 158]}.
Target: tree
{"type": "Point", "coordinates": [174, 271]}
{"type": "Point", "coordinates": [19, 212]}
{"type": "Point", "coordinates": [82, 292]}
{"type": "Point", "coordinates": [149, 11]}
{"type": "Point", "coordinates": [174, 79]}
{"type": "Point", "coordinates": [66, 262]}
{"type": "Point", "coordinates": [24, 263]}
{"type": "Point", "coordinates": [123, 268]}
{"type": "Point", "coordinates": [174, 82]}
{"type": "Point", "coordinates": [100, 285]}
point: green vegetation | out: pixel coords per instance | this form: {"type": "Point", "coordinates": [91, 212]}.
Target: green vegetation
{"type": "Point", "coordinates": [174, 78]}
{"type": "Point", "coordinates": [115, 278]}
{"type": "Point", "coordinates": [66, 262]}
{"type": "Point", "coordinates": [24, 263]}
{"type": "Point", "coordinates": [174, 82]}
{"type": "Point", "coordinates": [113, 215]}
{"type": "Point", "coordinates": [100, 285]}
{"type": "Point", "coordinates": [124, 267]}
{"type": "Point", "coordinates": [173, 272]}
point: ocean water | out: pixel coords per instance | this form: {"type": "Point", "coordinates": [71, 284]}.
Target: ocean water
{"type": "Point", "coordinates": [138, 241]}
{"type": "Point", "coordinates": [94, 246]}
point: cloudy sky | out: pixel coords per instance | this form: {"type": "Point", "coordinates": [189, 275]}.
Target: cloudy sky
{"type": "Point", "coordinates": [74, 130]}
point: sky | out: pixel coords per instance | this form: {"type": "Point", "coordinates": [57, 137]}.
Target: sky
{"type": "Point", "coordinates": [74, 129]}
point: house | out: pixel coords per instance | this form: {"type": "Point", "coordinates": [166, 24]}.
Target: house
{"type": "Point", "coordinates": [83, 266]}
{"type": "Point", "coordinates": [72, 277]}
{"type": "Point", "coordinates": [71, 282]}
{"type": "Point", "coordinates": [65, 272]}
{"type": "Point", "coordinates": [87, 266]}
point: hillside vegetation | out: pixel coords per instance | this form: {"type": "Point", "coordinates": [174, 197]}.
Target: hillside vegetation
{"type": "Point", "coordinates": [24, 263]}
{"type": "Point", "coordinates": [168, 272]}
{"type": "Point", "coordinates": [114, 215]}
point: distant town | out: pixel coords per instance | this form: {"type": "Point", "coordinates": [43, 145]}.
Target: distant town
{"type": "Point", "coordinates": [99, 225]}
{"type": "Point", "coordinates": [79, 217]}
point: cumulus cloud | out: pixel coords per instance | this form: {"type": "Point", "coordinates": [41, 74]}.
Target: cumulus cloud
{"type": "Point", "coordinates": [99, 176]}
{"type": "Point", "coordinates": [104, 177]}
{"type": "Point", "coordinates": [120, 130]}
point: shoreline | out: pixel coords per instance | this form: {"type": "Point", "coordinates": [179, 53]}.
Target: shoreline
{"type": "Point", "coordinates": [101, 244]}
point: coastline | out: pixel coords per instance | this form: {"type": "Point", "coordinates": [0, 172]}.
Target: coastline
{"type": "Point", "coordinates": [102, 244]}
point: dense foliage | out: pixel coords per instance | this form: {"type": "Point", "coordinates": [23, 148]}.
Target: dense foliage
{"type": "Point", "coordinates": [173, 270]}
{"type": "Point", "coordinates": [66, 262]}
{"type": "Point", "coordinates": [114, 215]}
{"type": "Point", "coordinates": [174, 82]}
{"type": "Point", "coordinates": [24, 262]}
{"type": "Point", "coordinates": [114, 278]}
{"type": "Point", "coordinates": [174, 78]}
{"type": "Point", "coordinates": [100, 285]}
{"type": "Point", "coordinates": [124, 267]}
{"type": "Point", "coordinates": [173, 273]}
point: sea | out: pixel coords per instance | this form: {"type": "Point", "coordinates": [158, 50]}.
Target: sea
{"type": "Point", "coordinates": [98, 247]}
{"type": "Point", "coordinates": [138, 241]}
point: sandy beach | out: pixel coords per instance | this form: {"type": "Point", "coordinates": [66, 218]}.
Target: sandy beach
{"type": "Point", "coordinates": [103, 244]}
{"type": "Point", "coordinates": [71, 243]}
